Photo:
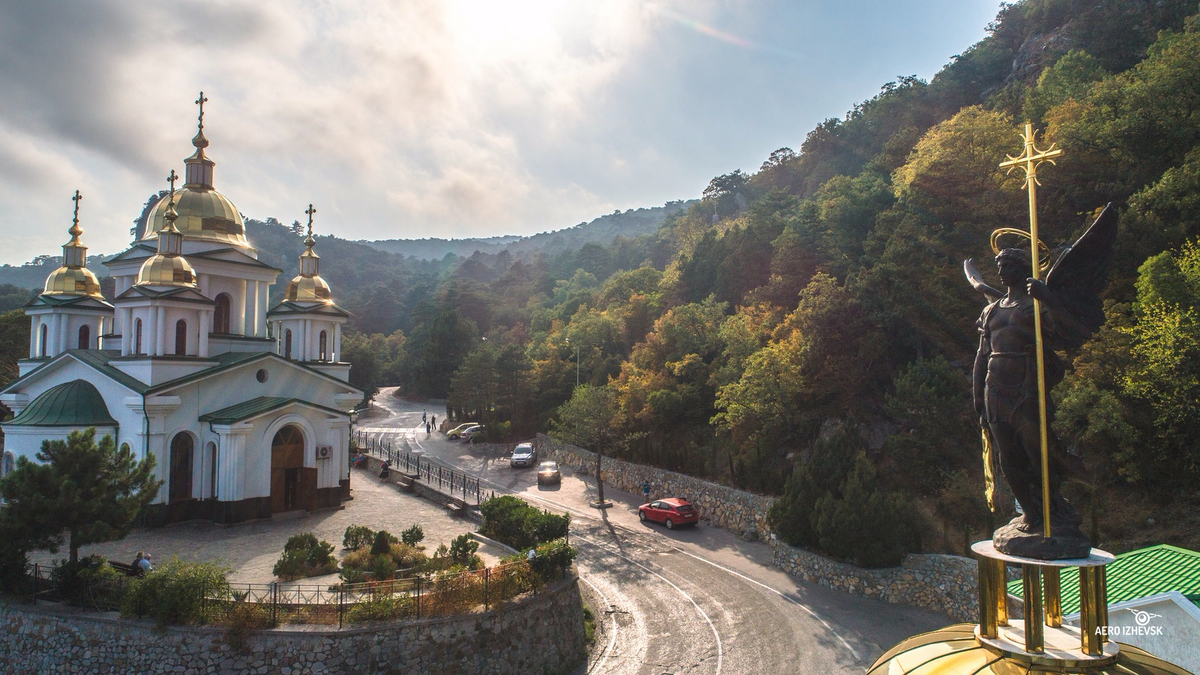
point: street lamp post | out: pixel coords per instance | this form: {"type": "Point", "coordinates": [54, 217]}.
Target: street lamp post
{"type": "Point", "coordinates": [576, 362]}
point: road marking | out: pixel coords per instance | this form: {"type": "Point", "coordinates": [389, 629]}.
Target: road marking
{"type": "Point", "coordinates": [667, 581]}
{"type": "Point", "coordinates": [613, 640]}
{"type": "Point", "coordinates": [777, 592]}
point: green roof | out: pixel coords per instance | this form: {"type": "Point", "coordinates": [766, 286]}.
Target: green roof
{"type": "Point", "coordinates": [71, 404]}
{"type": "Point", "coordinates": [257, 406]}
{"type": "Point", "coordinates": [1137, 574]}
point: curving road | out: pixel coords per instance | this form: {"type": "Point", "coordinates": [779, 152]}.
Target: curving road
{"type": "Point", "coordinates": [697, 600]}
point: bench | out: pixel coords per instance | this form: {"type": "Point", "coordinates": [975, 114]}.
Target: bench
{"type": "Point", "coordinates": [457, 506]}
{"type": "Point", "coordinates": [127, 570]}
{"type": "Point", "coordinates": [404, 482]}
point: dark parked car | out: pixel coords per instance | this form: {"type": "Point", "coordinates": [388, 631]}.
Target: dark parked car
{"type": "Point", "coordinates": [548, 473]}
{"type": "Point", "coordinates": [670, 512]}
{"type": "Point", "coordinates": [523, 455]}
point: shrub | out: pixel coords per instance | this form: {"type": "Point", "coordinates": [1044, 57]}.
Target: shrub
{"type": "Point", "coordinates": [305, 556]}
{"type": "Point", "coordinates": [91, 582]}
{"type": "Point", "coordinates": [514, 522]}
{"type": "Point", "coordinates": [407, 556]}
{"type": "Point", "coordinates": [413, 535]}
{"type": "Point", "coordinates": [383, 567]}
{"type": "Point", "coordinates": [380, 608]}
{"type": "Point", "coordinates": [462, 552]}
{"type": "Point", "coordinates": [357, 536]}
{"type": "Point", "coordinates": [383, 542]}
{"type": "Point", "coordinates": [552, 559]}
{"type": "Point", "coordinates": [173, 594]}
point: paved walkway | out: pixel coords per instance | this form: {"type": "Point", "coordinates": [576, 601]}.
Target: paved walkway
{"type": "Point", "coordinates": [251, 549]}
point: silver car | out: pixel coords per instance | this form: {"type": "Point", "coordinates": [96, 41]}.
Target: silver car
{"type": "Point", "coordinates": [523, 455]}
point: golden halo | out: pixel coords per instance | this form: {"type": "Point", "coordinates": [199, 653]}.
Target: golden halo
{"type": "Point", "coordinates": [1043, 250]}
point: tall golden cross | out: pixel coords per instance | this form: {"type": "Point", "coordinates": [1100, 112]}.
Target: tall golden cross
{"type": "Point", "coordinates": [171, 178]}
{"type": "Point", "coordinates": [200, 102]}
{"type": "Point", "coordinates": [76, 199]}
{"type": "Point", "coordinates": [310, 211]}
{"type": "Point", "coordinates": [1028, 162]}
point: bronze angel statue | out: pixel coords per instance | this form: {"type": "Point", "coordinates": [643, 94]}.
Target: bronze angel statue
{"type": "Point", "coordinates": [1006, 391]}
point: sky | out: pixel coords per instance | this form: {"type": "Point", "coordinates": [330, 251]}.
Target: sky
{"type": "Point", "coordinates": [424, 118]}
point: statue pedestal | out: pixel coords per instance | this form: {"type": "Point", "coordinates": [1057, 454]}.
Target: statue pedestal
{"type": "Point", "coordinates": [1041, 638]}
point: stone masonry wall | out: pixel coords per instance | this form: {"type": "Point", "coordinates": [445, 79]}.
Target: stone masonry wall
{"type": "Point", "coordinates": [723, 506]}
{"type": "Point", "coordinates": [542, 633]}
{"type": "Point", "coordinates": [943, 583]}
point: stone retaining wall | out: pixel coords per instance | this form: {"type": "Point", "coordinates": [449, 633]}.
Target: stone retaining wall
{"type": "Point", "coordinates": [541, 633]}
{"type": "Point", "coordinates": [943, 583]}
{"type": "Point", "coordinates": [723, 506]}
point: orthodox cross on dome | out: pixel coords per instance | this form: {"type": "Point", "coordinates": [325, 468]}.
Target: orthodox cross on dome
{"type": "Point", "coordinates": [200, 102]}
{"type": "Point", "coordinates": [310, 211]}
{"type": "Point", "coordinates": [75, 231]}
{"type": "Point", "coordinates": [171, 178]}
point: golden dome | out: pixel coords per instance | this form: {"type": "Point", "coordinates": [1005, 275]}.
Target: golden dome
{"type": "Point", "coordinates": [954, 649]}
{"type": "Point", "coordinates": [73, 278]}
{"type": "Point", "coordinates": [166, 270]}
{"type": "Point", "coordinates": [308, 289]}
{"type": "Point", "coordinates": [204, 215]}
{"type": "Point", "coordinates": [72, 281]}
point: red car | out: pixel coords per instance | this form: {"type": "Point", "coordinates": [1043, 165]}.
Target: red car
{"type": "Point", "coordinates": [670, 512]}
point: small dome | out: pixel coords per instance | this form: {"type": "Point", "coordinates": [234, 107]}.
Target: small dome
{"type": "Point", "coordinates": [72, 281]}
{"type": "Point", "coordinates": [166, 270]}
{"type": "Point", "coordinates": [204, 215]}
{"type": "Point", "coordinates": [308, 289]}
{"type": "Point", "coordinates": [71, 404]}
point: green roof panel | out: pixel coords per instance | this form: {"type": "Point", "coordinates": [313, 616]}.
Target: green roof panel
{"type": "Point", "coordinates": [255, 407]}
{"type": "Point", "coordinates": [71, 404]}
{"type": "Point", "coordinates": [1137, 574]}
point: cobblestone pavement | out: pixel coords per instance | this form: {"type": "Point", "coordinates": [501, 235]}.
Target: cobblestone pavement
{"type": "Point", "coordinates": [251, 549]}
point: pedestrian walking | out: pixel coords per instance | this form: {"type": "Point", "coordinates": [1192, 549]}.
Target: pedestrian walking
{"type": "Point", "coordinates": [423, 413]}
{"type": "Point", "coordinates": [428, 428]}
{"type": "Point", "coordinates": [646, 491]}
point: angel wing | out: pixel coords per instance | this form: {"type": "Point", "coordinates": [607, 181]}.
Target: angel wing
{"type": "Point", "coordinates": [1079, 275]}
{"type": "Point", "coordinates": [990, 292]}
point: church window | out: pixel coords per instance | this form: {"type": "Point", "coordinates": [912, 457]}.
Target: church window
{"type": "Point", "coordinates": [137, 336]}
{"type": "Point", "coordinates": [85, 337]}
{"type": "Point", "coordinates": [287, 344]}
{"type": "Point", "coordinates": [181, 467]}
{"type": "Point", "coordinates": [42, 341]}
{"type": "Point", "coordinates": [180, 337]}
{"type": "Point", "coordinates": [10, 461]}
{"type": "Point", "coordinates": [212, 469]}
{"type": "Point", "coordinates": [261, 375]}
{"type": "Point", "coordinates": [324, 343]}
{"type": "Point", "coordinates": [221, 315]}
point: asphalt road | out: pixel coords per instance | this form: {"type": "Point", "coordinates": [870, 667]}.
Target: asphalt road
{"type": "Point", "coordinates": [696, 600]}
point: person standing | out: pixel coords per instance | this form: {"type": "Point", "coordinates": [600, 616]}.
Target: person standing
{"type": "Point", "coordinates": [423, 418]}
{"type": "Point", "coordinates": [433, 421]}
{"type": "Point", "coordinates": [646, 491]}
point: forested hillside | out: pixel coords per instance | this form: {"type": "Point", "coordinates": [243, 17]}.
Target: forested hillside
{"type": "Point", "coordinates": [805, 329]}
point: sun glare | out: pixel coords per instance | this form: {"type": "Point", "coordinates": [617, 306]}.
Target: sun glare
{"type": "Point", "coordinates": [507, 29]}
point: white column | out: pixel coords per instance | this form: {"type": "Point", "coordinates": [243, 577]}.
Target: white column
{"type": "Point", "coordinates": [205, 329]}
{"type": "Point", "coordinates": [202, 284]}
{"type": "Point", "coordinates": [126, 331]}
{"type": "Point", "coordinates": [262, 307]}
{"type": "Point", "coordinates": [239, 318]}
{"type": "Point", "coordinates": [35, 327]}
{"type": "Point", "coordinates": [160, 331]}
{"type": "Point", "coordinates": [256, 324]}
{"type": "Point", "coordinates": [336, 354]}
{"type": "Point", "coordinates": [56, 340]}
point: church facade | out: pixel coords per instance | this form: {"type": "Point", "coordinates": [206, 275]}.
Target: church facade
{"type": "Point", "coordinates": [245, 408]}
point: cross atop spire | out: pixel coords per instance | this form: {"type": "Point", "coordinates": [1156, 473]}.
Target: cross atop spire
{"type": "Point", "coordinates": [200, 102]}
{"type": "Point", "coordinates": [171, 178]}
{"type": "Point", "coordinates": [310, 211]}
{"type": "Point", "coordinates": [75, 230]}
{"type": "Point", "coordinates": [1029, 160]}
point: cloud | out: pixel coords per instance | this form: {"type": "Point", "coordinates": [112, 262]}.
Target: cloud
{"type": "Point", "coordinates": [453, 117]}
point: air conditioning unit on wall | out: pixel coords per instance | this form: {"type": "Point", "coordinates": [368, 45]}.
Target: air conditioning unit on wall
{"type": "Point", "coordinates": [324, 451]}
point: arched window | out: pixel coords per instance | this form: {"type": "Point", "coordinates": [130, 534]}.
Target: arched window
{"type": "Point", "coordinates": [221, 314]}
{"type": "Point", "coordinates": [10, 463]}
{"type": "Point", "coordinates": [180, 337]}
{"type": "Point", "coordinates": [85, 337]}
{"type": "Point", "coordinates": [287, 343]}
{"type": "Point", "coordinates": [137, 336]}
{"type": "Point", "coordinates": [212, 469]}
{"type": "Point", "coordinates": [324, 342]}
{"type": "Point", "coordinates": [42, 341]}
{"type": "Point", "coordinates": [180, 488]}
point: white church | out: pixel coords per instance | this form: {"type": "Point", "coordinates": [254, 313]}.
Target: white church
{"type": "Point", "coordinates": [245, 408]}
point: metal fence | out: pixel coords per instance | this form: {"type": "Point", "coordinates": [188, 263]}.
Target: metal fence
{"type": "Point", "coordinates": [404, 460]}
{"type": "Point", "coordinates": [419, 596]}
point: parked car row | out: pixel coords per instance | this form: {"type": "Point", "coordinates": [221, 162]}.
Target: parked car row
{"type": "Point", "coordinates": [467, 432]}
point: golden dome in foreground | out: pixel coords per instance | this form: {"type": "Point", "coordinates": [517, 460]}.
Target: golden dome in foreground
{"type": "Point", "coordinates": [954, 650]}
{"type": "Point", "coordinates": [72, 281]}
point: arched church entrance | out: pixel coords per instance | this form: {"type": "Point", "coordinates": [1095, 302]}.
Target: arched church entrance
{"type": "Point", "coordinates": [292, 485]}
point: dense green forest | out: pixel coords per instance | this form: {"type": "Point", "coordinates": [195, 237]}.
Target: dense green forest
{"type": "Point", "coordinates": [805, 330]}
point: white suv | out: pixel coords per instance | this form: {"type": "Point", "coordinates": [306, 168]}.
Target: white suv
{"type": "Point", "coordinates": [523, 455]}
